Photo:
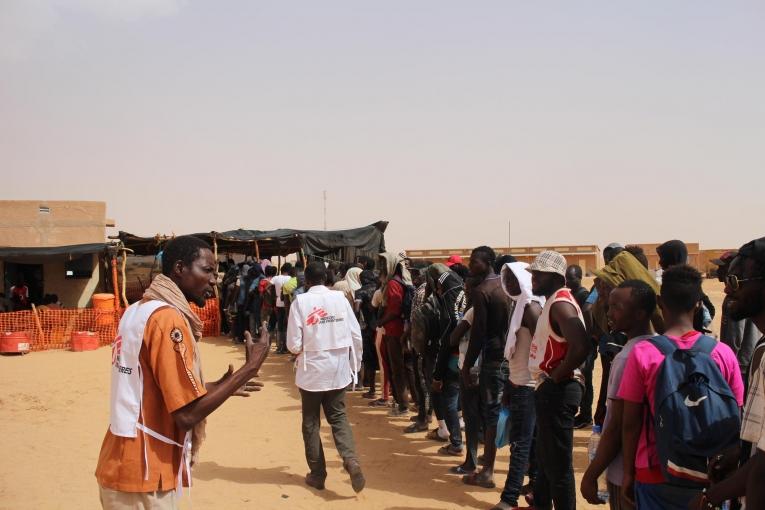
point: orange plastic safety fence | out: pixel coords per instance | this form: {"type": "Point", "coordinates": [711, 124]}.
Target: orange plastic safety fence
{"type": "Point", "coordinates": [56, 327]}
{"type": "Point", "coordinates": [210, 315]}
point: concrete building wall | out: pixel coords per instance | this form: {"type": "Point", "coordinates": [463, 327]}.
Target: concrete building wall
{"type": "Point", "coordinates": [72, 292]}
{"type": "Point", "coordinates": [43, 223]}
{"type": "Point", "coordinates": [586, 256]}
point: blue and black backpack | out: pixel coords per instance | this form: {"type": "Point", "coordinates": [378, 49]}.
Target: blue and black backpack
{"type": "Point", "coordinates": [696, 414]}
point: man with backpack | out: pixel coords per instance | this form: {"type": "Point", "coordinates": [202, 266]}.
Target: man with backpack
{"type": "Point", "coordinates": [397, 294]}
{"type": "Point", "coordinates": [681, 392]}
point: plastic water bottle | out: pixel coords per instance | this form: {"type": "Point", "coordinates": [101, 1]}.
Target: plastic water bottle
{"type": "Point", "coordinates": [592, 447]}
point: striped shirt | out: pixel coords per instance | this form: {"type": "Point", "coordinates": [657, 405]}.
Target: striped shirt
{"type": "Point", "coordinates": [753, 424]}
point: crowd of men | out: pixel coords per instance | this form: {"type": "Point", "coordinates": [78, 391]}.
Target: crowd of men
{"type": "Point", "coordinates": [463, 341]}
{"type": "Point", "coordinates": [502, 352]}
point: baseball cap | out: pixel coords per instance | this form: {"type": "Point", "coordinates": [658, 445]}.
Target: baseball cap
{"type": "Point", "coordinates": [549, 262]}
{"type": "Point", "coordinates": [453, 259]}
{"type": "Point", "coordinates": [614, 246]}
{"type": "Point", "coordinates": [725, 258]}
{"type": "Point", "coordinates": [754, 250]}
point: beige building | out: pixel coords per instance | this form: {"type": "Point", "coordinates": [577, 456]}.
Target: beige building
{"type": "Point", "coordinates": [55, 247]}
{"type": "Point", "coordinates": [586, 256]}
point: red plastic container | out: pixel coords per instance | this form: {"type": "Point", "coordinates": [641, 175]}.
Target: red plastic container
{"type": "Point", "coordinates": [84, 341]}
{"type": "Point", "coordinates": [16, 342]}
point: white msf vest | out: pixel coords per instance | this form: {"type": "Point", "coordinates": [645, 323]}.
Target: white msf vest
{"type": "Point", "coordinates": [325, 315]}
{"type": "Point", "coordinates": [127, 386]}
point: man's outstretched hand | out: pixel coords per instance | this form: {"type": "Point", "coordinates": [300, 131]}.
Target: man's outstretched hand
{"type": "Point", "coordinates": [243, 391]}
{"type": "Point", "coordinates": [255, 351]}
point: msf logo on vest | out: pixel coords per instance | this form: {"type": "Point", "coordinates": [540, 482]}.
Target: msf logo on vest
{"type": "Point", "coordinates": [117, 356]}
{"type": "Point", "coordinates": [320, 316]}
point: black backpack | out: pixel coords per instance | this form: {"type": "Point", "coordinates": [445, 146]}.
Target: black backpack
{"type": "Point", "coordinates": [406, 302]}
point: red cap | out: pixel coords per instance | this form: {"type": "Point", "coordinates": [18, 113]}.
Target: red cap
{"type": "Point", "coordinates": [453, 259]}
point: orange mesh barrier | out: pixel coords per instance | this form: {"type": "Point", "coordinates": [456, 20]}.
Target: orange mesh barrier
{"type": "Point", "coordinates": [210, 316]}
{"type": "Point", "coordinates": [56, 326]}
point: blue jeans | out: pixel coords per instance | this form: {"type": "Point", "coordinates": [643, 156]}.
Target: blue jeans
{"type": "Point", "coordinates": [449, 402]}
{"type": "Point", "coordinates": [522, 423]}
{"type": "Point", "coordinates": [662, 496]}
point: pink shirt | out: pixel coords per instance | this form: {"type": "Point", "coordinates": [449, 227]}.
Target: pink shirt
{"type": "Point", "coordinates": [639, 383]}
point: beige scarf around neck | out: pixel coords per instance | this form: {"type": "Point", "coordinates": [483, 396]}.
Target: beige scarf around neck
{"type": "Point", "coordinates": [164, 289]}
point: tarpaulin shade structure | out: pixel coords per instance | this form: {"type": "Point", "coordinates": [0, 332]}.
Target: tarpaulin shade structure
{"type": "Point", "coordinates": [333, 244]}
{"type": "Point", "coordinates": [75, 249]}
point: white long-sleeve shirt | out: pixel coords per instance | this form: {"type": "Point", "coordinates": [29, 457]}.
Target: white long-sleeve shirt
{"type": "Point", "coordinates": [323, 331]}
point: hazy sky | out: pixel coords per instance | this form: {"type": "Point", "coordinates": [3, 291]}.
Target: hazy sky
{"type": "Point", "coordinates": [581, 122]}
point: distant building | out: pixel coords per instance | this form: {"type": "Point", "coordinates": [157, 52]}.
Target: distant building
{"type": "Point", "coordinates": [588, 257]}
{"type": "Point", "coordinates": [55, 246]}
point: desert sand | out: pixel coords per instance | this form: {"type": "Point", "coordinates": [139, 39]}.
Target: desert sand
{"type": "Point", "coordinates": [54, 410]}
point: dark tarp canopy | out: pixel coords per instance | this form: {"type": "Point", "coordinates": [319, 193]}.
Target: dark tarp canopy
{"type": "Point", "coordinates": [74, 249]}
{"type": "Point", "coordinates": [342, 245]}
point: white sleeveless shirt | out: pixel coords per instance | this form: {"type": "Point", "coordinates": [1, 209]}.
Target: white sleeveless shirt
{"type": "Point", "coordinates": [547, 348]}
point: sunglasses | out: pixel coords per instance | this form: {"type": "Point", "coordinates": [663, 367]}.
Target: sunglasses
{"type": "Point", "coordinates": [734, 282]}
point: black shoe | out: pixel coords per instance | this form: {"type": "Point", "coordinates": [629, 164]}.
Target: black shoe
{"type": "Point", "coordinates": [581, 422]}
{"type": "Point", "coordinates": [315, 481]}
{"type": "Point", "coordinates": [357, 477]}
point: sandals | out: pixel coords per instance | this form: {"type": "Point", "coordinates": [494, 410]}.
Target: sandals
{"type": "Point", "coordinates": [433, 434]}
{"type": "Point", "coordinates": [378, 403]}
{"type": "Point", "coordinates": [475, 480]}
{"type": "Point", "coordinates": [416, 427]}
{"type": "Point", "coordinates": [450, 449]}
{"type": "Point", "coordinates": [460, 470]}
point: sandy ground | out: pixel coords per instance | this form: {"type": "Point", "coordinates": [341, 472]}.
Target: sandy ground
{"type": "Point", "coordinates": [54, 411]}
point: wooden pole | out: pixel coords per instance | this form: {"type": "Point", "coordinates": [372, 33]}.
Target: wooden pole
{"type": "Point", "coordinates": [37, 323]}
{"type": "Point", "coordinates": [124, 279]}
{"type": "Point", "coordinates": [257, 251]}
{"type": "Point", "coordinates": [215, 254]}
{"type": "Point", "coordinates": [115, 283]}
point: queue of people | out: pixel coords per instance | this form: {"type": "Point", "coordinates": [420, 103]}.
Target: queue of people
{"type": "Point", "coordinates": [480, 356]}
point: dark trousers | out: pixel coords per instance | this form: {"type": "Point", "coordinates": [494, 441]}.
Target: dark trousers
{"type": "Point", "coordinates": [663, 496]}
{"type": "Point", "coordinates": [585, 410]}
{"type": "Point", "coordinates": [414, 379]}
{"type": "Point", "coordinates": [491, 383]}
{"type": "Point", "coordinates": [333, 403]}
{"type": "Point", "coordinates": [556, 405]}
{"type": "Point", "coordinates": [425, 398]}
{"type": "Point", "coordinates": [242, 323]}
{"type": "Point", "coordinates": [397, 369]}
{"type": "Point", "coordinates": [471, 413]}
{"type": "Point", "coordinates": [522, 423]}
{"type": "Point", "coordinates": [281, 328]}
{"type": "Point", "coordinates": [447, 404]}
